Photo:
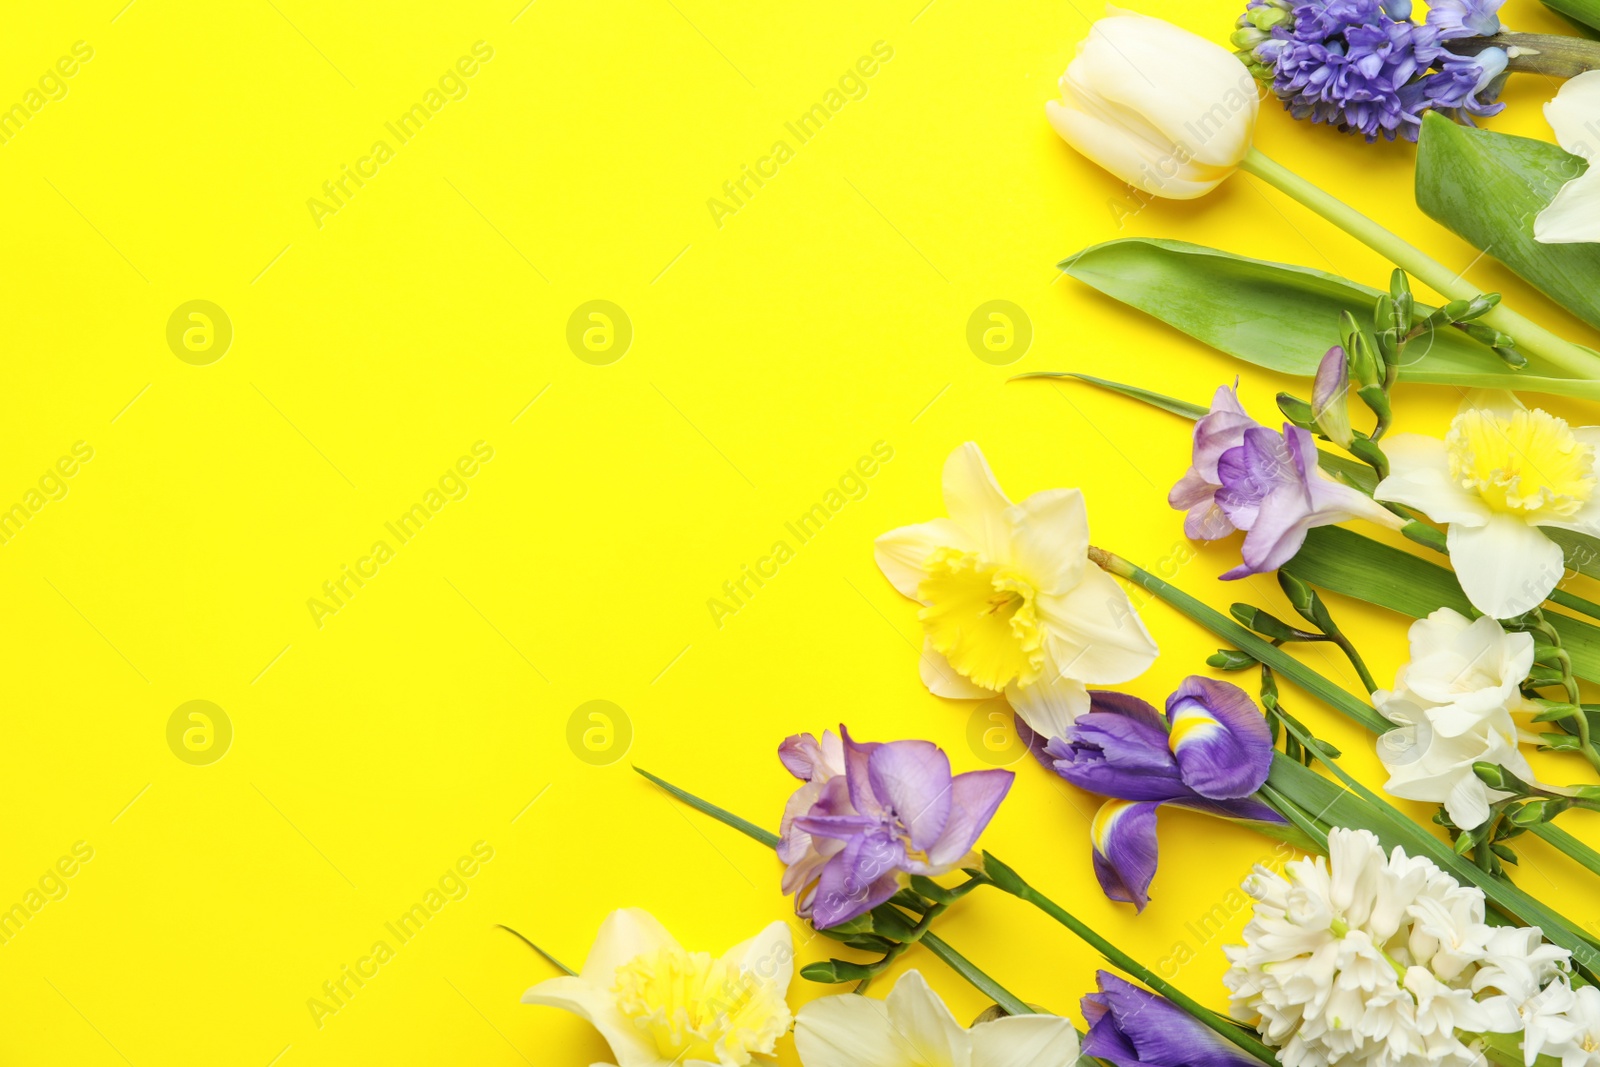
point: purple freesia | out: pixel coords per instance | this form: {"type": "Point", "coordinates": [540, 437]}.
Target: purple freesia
{"type": "Point", "coordinates": [870, 812]}
{"type": "Point", "coordinates": [1133, 1027]}
{"type": "Point", "coordinates": [1216, 432]}
{"type": "Point", "coordinates": [1210, 752]}
{"type": "Point", "coordinates": [1272, 489]}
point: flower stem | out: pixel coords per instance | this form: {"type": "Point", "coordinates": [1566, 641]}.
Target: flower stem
{"type": "Point", "coordinates": [980, 981]}
{"type": "Point", "coordinates": [1531, 337]}
{"type": "Point", "coordinates": [1009, 881]}
{"type": "Point", "coordinates": [1553, 55]}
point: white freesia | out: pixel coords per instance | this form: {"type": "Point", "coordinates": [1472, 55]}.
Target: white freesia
{"type": "Point", "coordinates": [1426, 765]}
{"type": "Point", "coordinates": [1010, 602]}
{"type": "Point", "coordinates": [659, 1005]}
{"type": "Point", "coordinates": [1501, 473]}
{"type": "Point", "coordinates": [1385, 960]}
{"type": "Point", "coordinates": [1165, 110]}
{"type": "Point", "coordinates": [1574, 215]}
{"type": "Point", "coordinates": [913, 1028]}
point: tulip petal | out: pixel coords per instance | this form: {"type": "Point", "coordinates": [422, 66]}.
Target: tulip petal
{"type": "Point", "coordinates": [1024, 1041]}
{"type": "Point", "coordinates": [912, 778]}
{"type": "Point", "coordinates": [1123, 834]}
{"type": "Point", "coordinates": [975, 500]}
{"type": "Point", "coordinates": [975, 796]}
{"type": "Point", "coordinates": [1505, 567]}
{"type": "Point", "coordinates": [900, 553]}
{"type": "Point", "coordinates": [1219, 738]}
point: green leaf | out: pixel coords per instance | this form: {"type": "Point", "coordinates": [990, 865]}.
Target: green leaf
{"type": "Point", "coordinates": [1488, 187]}
{"type": "Point", "coordinates": [1165, 403]}
{"type": "Point", "coordinates": [1282, 317]}
{"type": "Point", "coordinates": [1346, 562]}
{"type": "Point", "coordinates": [722, 815]}
{"type": "Point", "coordinates": [1584, 11]}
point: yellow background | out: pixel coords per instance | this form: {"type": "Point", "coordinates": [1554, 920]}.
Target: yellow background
{"type": "Point", "coordinates": [769, 353]}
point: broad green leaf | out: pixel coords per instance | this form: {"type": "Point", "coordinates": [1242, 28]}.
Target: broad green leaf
{"type": "Point", "coordinates": [1584, 11]}
{"type": "Point", "coordinates": [1488, 187]}
{"type": "Point", "coordinates": [1346, 562]}
{"type": "Point", "coordinates": [1282, 317]}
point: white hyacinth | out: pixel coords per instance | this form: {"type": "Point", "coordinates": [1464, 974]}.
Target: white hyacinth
{"type": "Point", "coordinates": [1366, 958]}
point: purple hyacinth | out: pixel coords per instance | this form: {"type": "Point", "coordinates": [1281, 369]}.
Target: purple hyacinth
{"type": "Point", "coordinates": [869, 813]}
{"type": "Point", "coordinates": [1364, 66]}
{"type": "Point", "coordinates": [1133, 1027]}
{"type": "Point", "coordinates": [1210, 752]}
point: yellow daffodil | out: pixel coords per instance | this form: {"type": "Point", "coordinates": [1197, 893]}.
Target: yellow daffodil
{"type": "Point", "coordinates": [1010, 602]}
{"type": "Point", "coordinates": [660, 1005]}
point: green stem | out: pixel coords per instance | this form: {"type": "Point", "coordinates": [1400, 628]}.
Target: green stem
{"type": "Point", "coordinates": [980, 981]}
{"type": "Point", "coordinates": [1531, 337]}
{"type": "Point", "coordinates": [1007, 880]}
{"type": "Point", "coordinates": [551, 960]}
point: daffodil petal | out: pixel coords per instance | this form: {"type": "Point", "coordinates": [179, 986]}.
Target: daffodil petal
{"type": "Point", "coordinates": [917, 1013]}
{"type": "Point", "coordinates": [976, 502]}
{"type": "Point", "coordinates": [1505, 566]}
{"type": "Point", "coordinates": [943, 680]}
{"type": "Point", "coordinates": [1095, 635]}
{"type": "Point", "coordinates": [1025, 1041]}
{"type": "Point", "coordinates": [1050, 539]}
{"type": "Point", "coordinates": [901, 553]}
{"type": "Point", "coordinates": [1419, 477]}
{"type": "Point", "coordinates": [769, 956]}
{"type": "Point", "coordinates": [1050, 705]}
{"type": "Point", "coordinates": [595, 1005]}
{"type": "Point", "coordinates": [624, 935]}
{"type": "Point", "coordinates": [846, 1031]}
{"type": "Point", "coordinates": [1573, 110]}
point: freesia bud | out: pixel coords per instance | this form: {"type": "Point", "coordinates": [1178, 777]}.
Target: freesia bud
{"type": "Point", "coordinates": [1328, 397]}
{"type": "Point", "coordinates": [1165, 110]}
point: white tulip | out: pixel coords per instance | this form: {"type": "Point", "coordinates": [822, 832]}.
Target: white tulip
{"type": "Point", "coordinates": [1165, 110]}
{"type": "Point", "coordinates": [1574, 215]}
{"type": "Point", "coordinates": [913, 1028]}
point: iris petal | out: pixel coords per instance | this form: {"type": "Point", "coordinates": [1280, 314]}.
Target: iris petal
{"type": "Point", "coordinates": [1219, 738]}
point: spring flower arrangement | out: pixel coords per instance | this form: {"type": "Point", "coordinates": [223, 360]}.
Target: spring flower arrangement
{"type": "Point", "coordinates": [1389, 942]}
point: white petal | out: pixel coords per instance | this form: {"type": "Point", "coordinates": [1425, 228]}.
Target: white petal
{"type": "Point", "coordinates": [1505, 567]}
{"type": "Point", "coordinates": [943, 680]}
{"type": "Point", "coordinates": [624, 935]}
{"type": "Point", "coordinates": [769, 956]}
{"type": "Point", "coordinates": [1025, 1041]}
{"type": "Point", "coordinates": [922, 1020]}
{"type": "Point", "coordinates": [630, 1046]}
{"type": "Point", "coordinates": [1095, 635]}
{"type": "Point", "coordinates": [1049, 705]}
{"type": "Point", "coordinates": [901, 553]}
{"type": "Point", "coordinates": [1050, 539]}
{"type": "Point", "coordinates": [1468, 803]}
{"type": "Point", "coordinates": [1572, 113]}
{"type": "Point", "coordinates": [975, 501]}
{"type": "Point", "coordinates": [1129, 159]}
{"type": "Point", "coordinates": [846, 1031]}
{"type": "Point", "coordinates": [1573, 217]}
{"type": "Point", "coordinates": [1419, 476]}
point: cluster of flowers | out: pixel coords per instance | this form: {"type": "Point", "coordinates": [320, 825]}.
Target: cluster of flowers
{"type": "Point", "coordinates": [1367, 958]}
{"type": "Point", "coordinates": [1363, 65]}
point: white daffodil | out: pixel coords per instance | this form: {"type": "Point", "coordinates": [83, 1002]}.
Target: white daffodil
{"type": "Point", "coordinates": [1574, 215]}
{"type": "Point", "coordinates": [913, 1028]}
{"type": "Point", "coordinates": [1010, 602]}
{"type": "Point", "coordinates": [1501, 472]}
{"type": "Point", "coordinates": [659, 1005]}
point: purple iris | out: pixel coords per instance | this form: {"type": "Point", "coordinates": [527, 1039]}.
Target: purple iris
{"type": "Point", "coordinates": [1133, 1027]}
{"type": "Point", "coordinates": [1244, 476]}
{"type": "Point", "coordinates": [1210, 752]}
{"type": "Point", "coordinates": [870, 812]}
{"type": "Point", "coordinates": [1364, 66]}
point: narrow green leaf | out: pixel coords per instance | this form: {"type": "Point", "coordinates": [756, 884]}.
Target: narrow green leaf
{"type": "Point", "coordinates": [1584, 11]}
{"type": "Point", "coordinates": [982, 982]}
{"type": "Point", "coordinates": [1282, 317]}
{"type": "Point", "coordinates": [1488, 187]}
{"type": "Point", "coordinates": [728, 818]}
{"type": "Point", "coordinates": [1165, 403]}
